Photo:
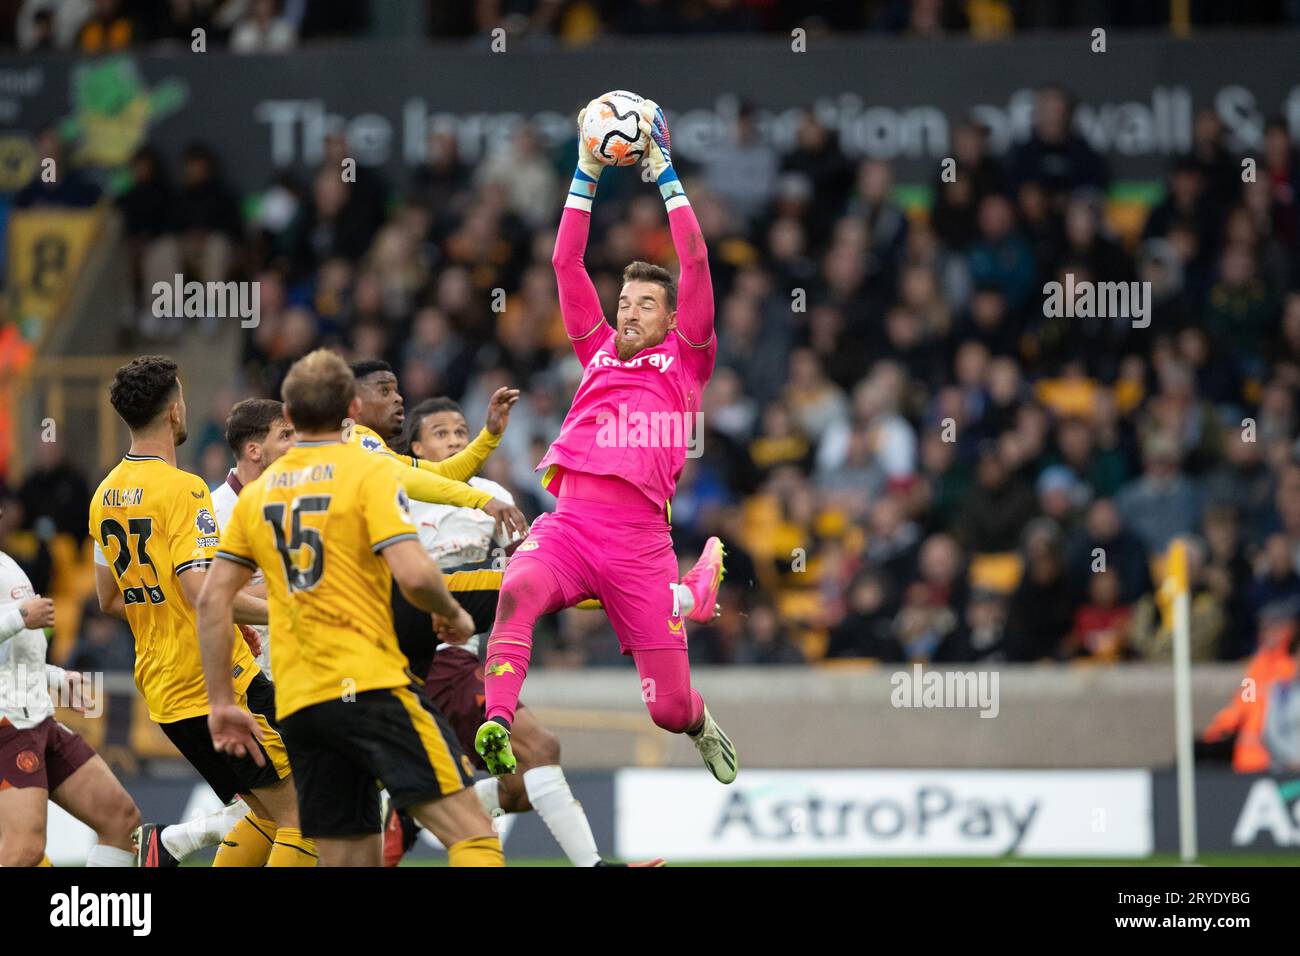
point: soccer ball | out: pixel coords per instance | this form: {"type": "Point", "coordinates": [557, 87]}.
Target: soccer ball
{"type": "Point", "coordinates": [610, 131]}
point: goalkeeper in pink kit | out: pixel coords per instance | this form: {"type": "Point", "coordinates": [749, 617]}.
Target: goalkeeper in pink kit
{"type": "Point", "coordinates": [609, 537]}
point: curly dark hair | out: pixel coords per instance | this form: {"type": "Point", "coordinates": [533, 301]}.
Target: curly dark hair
{"type": "Point", "coordinates": [142, 388]}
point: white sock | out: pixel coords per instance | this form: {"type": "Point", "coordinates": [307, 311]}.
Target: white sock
{"type": "Point", "coordinates": [101, 855]}
{"type": "Point", "coordinates": [489, 795]}
{"type": "Point", "coordinates": [563, 815]}
{"type": "Point", "coordinates": [182, 839]}
{"type": "Point", "coordinates": [683, 600]}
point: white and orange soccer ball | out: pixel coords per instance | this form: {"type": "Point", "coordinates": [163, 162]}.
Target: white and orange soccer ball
{"type": "Point", "coordinates": [610, 130]}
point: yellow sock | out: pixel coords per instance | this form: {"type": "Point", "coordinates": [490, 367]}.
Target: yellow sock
{"type": "Point", "coordinates": [292, 849]}
{"type": "Point", "coordinates": [247, 844]}
{"type": "Point", "coordinates": [476, 851]}
{"type": "Point", "coordinates": [45, 861]}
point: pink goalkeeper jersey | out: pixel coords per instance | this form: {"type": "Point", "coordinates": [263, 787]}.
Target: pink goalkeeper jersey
{"type": "Point", "coordinates": [635, 420]}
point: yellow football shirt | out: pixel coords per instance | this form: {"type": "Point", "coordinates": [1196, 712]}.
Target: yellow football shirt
{"type": "Point", "coordinates": [151, 522]}
{"type": "Point", "coordinates": [315, 522]}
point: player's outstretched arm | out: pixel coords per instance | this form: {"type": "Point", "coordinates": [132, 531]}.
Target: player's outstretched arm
{"type": "Point", "coordinates": [695, 285]}
{"type": "Point", "coordinates": [429, 486]}
{"type": "Point", "coordinates": [579, 303]}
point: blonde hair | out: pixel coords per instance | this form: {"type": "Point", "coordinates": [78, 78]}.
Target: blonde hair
{"type": "Point", "coordinates": [318, 391]}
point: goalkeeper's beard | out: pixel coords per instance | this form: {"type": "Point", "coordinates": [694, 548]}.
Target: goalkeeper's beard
{"type": "Point", "coordinates": [626, 348]}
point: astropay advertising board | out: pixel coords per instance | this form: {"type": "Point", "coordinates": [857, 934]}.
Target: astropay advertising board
{"type": "Point", "coordinates": [807, 814]}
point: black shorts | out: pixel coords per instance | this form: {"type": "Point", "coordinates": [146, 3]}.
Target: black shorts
{"type": "Point", "coordinates": [344, 751]}
{"type": "Point", "coordinates": [226, 774]}
{"type": "Point", "coordinates": [476, 592]}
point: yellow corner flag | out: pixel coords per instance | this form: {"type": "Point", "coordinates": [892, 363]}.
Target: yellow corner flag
{"type": "Point", "coordinates": [1174, 582]}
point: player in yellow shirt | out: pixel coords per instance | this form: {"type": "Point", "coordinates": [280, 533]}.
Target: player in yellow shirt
{"type": "Point", "coordinates": [155, 535]}
{"type": "Point", "coordinates": [379, 420]}
{"type": "Point", "coordinates": [328, 524]}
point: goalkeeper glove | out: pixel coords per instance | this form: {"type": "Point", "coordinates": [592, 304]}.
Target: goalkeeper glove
{"type": "Point", "coordinates": [583, 188]}
{"type": "Point", "coordinates": [654, 126]}
{"type": "Point", "coordinates": [586, 161]}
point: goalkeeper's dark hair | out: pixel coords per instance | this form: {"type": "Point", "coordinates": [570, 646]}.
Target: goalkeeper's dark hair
{"type": "Point", "coordinates": [415, 419]}
{"type": "Point", "coordinates": [368, 367]}
{"type": "Point", "coordinates": [251, 420]}
{"type": "Point", "coordinates": [143, 388]}
{"type": "Point", "coordinates": [649, 272]}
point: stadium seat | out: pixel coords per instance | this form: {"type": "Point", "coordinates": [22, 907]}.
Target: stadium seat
{"type": "Point", "coordinates": [997, 572]}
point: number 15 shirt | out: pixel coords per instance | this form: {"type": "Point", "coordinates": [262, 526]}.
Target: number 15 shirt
{"type": "Point", "coordinates": [316, 522]}
{"type": "Point", "coordinates": [151, 522]}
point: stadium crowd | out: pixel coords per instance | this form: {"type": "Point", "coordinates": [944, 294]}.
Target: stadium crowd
{"type": "Point", "coordinates": [907, 456]}
{"type": "Point", "coordinates": [277, 26]}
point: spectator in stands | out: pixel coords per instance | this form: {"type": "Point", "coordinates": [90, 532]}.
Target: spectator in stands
{"type": "Point", "coordinates": [1055, 155]}
{"type": "Point", "coordinates": [104, 643]}
{"type": "Point", "coordinates": [866, 630]}
{"type": "Point", "coordinates": [1151, 634]}
{"type": "Point", "coordinates": [883, 223]}
{"type": "Point", "coordinates": [1228, 577]}
{"type": "Point", "coordinates": [108, 29]}
{"type": "Point", "coordinates": [1243, 480]}
{"type": "Point", "coordinates": [41, 39]}
{"type": "Point", "coordinates": [959, 192]}
{"type": "Point", "coordinates": [264, 30]}
{"type": "Point", "coordinates": [922, 629]}
{"type": "Point", "coordinates": [999, 257]}
{"type": "Point", "coordinates": [819, 160]}
{"type": "Point", "coordinates": [147, 218]}
{"type": "Point", "coordinates": [28, 548]}
{"type": "Point", "coordinates": [1101, 624]}
{"type": "Point", "coordinates": [56, 182]}
{"type": "Point", "coordinates": [1276, 585]}
{"type": "Point", "coordinates": [997, 508]}
{"type": "Point", "coordinates": [531, 184]}
{"type": "Point", "coordinates": [207, 218]}
{"type": "Point", "coordinates": [769, 642]}
{"type": "Point", "coordinates": [1281, 170]}
{"type": "Point", "coordinates": [1161, 503]}
{"type": "Point", "coordinates": [441, 182]}
{"type": "Point", "coordinates": [54, 491]}
{"type": "Point", "coordinates": [744, 170]}
{"type": "Point", "coordinates": [1040, 615]}
{"type": "Point", "coordinates": [1219, 169]}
